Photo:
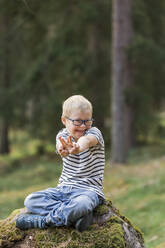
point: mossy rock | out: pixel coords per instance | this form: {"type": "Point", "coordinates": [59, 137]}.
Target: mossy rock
{"type": "Point", "coordinates": [109, 230]}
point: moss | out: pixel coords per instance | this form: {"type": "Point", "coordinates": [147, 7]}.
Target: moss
{"type": "Point", "coordinates": [107, 235]}
{"type": "Point", "coordinates": [52, 237]}
{"type": "Point", "coordinates": [101, 210]}
{"type": "Point", "coordinates": [99, 237]}
{"type": "Point", "coordinates": [76, 244]}
{"type": "Point", "coordinates": [8, 231]}
{"type": "Point", "coordinates": [125, 219]}
{"type": "Point", "coordinates": [114, 219]}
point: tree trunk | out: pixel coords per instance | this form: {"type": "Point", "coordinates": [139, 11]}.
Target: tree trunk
{"type": "Point", "coordinates": [4, 141]}
{"type": "Point", "coordinates": [122, 79]}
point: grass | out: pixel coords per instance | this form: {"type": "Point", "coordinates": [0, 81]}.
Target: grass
{"type": "Point", "coordinates": [136, 189]}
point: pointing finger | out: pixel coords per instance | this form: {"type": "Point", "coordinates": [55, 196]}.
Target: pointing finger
{"type": "Point", "coordinates": [63, 142]}
{"type": "Point", "coordinates": [70, 139]}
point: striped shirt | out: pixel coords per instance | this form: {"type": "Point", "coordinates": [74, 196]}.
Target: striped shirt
{"type": "Point", "coordinates": [86, 169]}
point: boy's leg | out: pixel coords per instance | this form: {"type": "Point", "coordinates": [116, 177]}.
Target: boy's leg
{"type": "Point", "coordinates": [39, 204]}
{"type": "Point", "coordinates": [42, 202]}
{"type": "Point", "coordinates": [80, 204]}
{"type": "Point", "coordinates": [28, 221]}
{"type": "Point", "coordinates": [58, 206]}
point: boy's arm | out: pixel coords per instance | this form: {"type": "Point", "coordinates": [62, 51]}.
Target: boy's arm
{"type": "Point", "coordinates": [85, 142]}
{"type": "Point", "coordinates": [82, 144]}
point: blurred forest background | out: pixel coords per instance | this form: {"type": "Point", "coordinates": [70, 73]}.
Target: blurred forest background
{"type": "Point", "coordinates": [113, 53]}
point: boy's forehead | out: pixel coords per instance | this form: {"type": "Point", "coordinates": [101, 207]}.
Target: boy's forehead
{"type": "Point", "coordinates": [84, 114]}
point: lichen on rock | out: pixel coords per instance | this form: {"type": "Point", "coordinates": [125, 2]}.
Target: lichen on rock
{"type": "Point", "coordinates": [109, 230]}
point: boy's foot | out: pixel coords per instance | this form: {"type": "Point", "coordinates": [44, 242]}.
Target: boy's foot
{"type": "Point", "coordinates": [28, 221]}
{"type": "Point", "coordinates": [84, 222]}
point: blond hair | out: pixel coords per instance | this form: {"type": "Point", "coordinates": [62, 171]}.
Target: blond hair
{"type": "Point", "coordinates": [76, 102]}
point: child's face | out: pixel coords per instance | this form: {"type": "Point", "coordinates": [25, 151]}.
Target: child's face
{"type": "Point", "coordinates": [77, 131]}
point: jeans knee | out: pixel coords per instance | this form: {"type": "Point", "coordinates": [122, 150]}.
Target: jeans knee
{"type": "Point", "coordinates": [79, 207]}
{"type": "Point", "coordinates": [84, 205]}
{"type": "Point", "coordinates": [27, 201]}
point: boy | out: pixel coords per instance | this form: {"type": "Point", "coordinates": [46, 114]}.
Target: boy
{"type": "Point", "coordinates": [79, 191]}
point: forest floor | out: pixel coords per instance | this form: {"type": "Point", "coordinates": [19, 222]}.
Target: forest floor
{"type": "Point", "coordinates": [137, 189]}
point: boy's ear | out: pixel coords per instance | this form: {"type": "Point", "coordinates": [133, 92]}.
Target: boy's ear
{"type": "Point", "coordinates": [63, 120]}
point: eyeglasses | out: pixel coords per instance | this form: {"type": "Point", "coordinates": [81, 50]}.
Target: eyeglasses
{"type": "Point", "coordinates": [80, 122]}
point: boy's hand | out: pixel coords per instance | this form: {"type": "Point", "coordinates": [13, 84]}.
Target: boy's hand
{"type": "Point", "coordinates": [63, 151]}
{"type": "Point", "coordinates": [72, 148]}
{"type": "Point", "coordinates": [84, 142]}
{"type": "Point", "coordinates": [75, 149]}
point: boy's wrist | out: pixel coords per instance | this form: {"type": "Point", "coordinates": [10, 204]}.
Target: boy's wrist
{"type": "Point", "coordinates": [83, 145]}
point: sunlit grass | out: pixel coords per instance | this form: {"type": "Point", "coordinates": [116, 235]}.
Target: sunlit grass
{"type": "Point", "coordinates": [30, 175]}
{"type": "Point", "coordinates": [138, 190]}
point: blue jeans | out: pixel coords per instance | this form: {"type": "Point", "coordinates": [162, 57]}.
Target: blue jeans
{"type": "Point", "coordinates": [62, 205]}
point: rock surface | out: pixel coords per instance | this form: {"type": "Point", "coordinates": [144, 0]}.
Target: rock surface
{"type": "Point", "coordinates": [109, 230]}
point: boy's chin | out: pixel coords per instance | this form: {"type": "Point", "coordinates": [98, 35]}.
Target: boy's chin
{"type": "Point", "coordinates": [77, 136]}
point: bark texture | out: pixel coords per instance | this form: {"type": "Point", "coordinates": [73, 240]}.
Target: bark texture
{"type": "Point", "coordinates": [122, 80]}
{"type": "Point", "coordinates": [4, 140]}
{"type": "Point", "coordinates": [6, 71]}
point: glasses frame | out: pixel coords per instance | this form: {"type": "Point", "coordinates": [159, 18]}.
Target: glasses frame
{"type": "Point", "coordinates": [82, 121]}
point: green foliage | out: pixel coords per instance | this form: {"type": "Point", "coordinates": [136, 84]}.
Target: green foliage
{"type": "Point", "coordinates": [51, 50]}
{"type": "Point", "coordinates": [60, 68]}
{"type": "Point", "coordinates": [148, 58]}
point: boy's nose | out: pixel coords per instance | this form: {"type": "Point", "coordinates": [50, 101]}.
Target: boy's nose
{"type": "Point", "coordinates": [83, 125]}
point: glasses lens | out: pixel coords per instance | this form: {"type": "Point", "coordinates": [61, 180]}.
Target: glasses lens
{"type": "Point", "coordinates": [77, 122]}
{"type": "Point", "coordinates": [88, 122]}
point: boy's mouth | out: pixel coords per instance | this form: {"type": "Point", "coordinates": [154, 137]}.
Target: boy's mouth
{"type": "Point", "coordinates": [82, 132]}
